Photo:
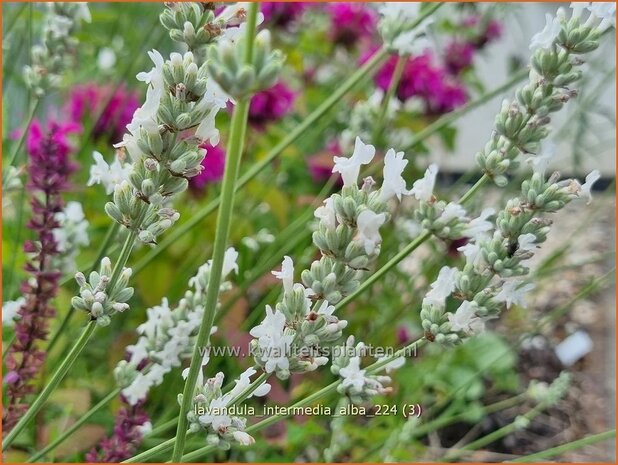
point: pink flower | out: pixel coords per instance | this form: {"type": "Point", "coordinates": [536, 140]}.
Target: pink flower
{"type": "Point", "coordinates": [271, 104]}
{"type": "Point", "coordinates": [112, 108]}
{"type": "Point", "coordinates": [43, 143]}
{"type": "Point", "coordinates": [453, 95]}
{"type": "Point", "coordinates": [351, 22]}
{"type": "Point", "coordinates": [482, 32]}
{"type": "Point", "coordinates": [458, 56]}
{"type": "Point", "coordinates": [282, 14]}
{"type": "Point", "coordinates": [213, 167]}
{"type": "Point", "coordinates": [423, 79]}
{"type": "Point", "coordinates": [493, 31]}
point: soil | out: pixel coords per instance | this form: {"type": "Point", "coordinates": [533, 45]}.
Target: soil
{"type": "Point", "coordinates": [589, 406]}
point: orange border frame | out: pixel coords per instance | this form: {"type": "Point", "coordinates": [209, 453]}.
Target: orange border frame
{"type": "Point", "coordinates": [322, 1]}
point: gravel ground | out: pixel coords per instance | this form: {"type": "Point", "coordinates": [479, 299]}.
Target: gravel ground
{"type": "Point", "coordinates": [586, 234]}
{"type": "Point", "coordinates": [580, 249]}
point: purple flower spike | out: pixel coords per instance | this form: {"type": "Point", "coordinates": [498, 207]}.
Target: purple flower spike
{"type": "Point", "coordinates": [11, 377]}
{"type": "Point", "coordinates": [132, 422]}
{"type": "Point", "coordinates": [49, 169]}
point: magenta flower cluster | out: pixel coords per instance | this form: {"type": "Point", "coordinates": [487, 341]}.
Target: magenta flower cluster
{"type": "Point", "coordinates": [109, 109]}
{"type": "Point", "coordinates": [477, 33]}
{"type": "Point", "coordinates": [126, 438]}
{"type": "Point", "coordinates": [282, 14]}
{"type": "Point", "coordinates": [351, 23]}
{"type": "Point", "coordinates": [271, 105]}
{"type": "Point", "coordinates": [424, 79]}
{"type": "Point", "coordinates": [49, 168]}
{"type": "Point", "coordinates": [458, 56]}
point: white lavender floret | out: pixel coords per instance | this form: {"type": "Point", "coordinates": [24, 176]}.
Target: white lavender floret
{"type": "Point", "coordinates": [167, 337]}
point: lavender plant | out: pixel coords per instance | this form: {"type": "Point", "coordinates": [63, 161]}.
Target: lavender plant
{"type": "Point", "coordinates": [178, 100]}
{"type": "Point", "coordinates": [44, 73]}
{"type": "Point", "coordinates": [223, 62]}
{"type": "Point", "coordinates": [53, 56]}
{"type": "Point", "coordinates": [513, 242]}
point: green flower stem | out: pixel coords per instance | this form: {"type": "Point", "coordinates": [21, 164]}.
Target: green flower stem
{"type": "Point", "coordinates": [163, 427]}
{"type": "Point", "coordinates": [24, 42]}
{"type": "Point", "coordinates": [11, 162]}
{"type": "Point", "coordinates": [109, 238]}
{"type": "Point", "coordinates": [22, 138]}
{"type": "Point", "coordinates": [392, 88]}
{"type": "Point", "coordinates": [561, 310]}
{"type": "Point", "coordinates": [379, 274]}
{"type": "Point", "coordinates": [446, 420]}
{"type": "Point", "coordinates": [224, 222]}
{"type": "Point", "coordinates": [8, 346]}
{"type": "Point", "coordinates": [57, 377]}
{"type": "Point", "coordinates": [163, 447]}
{"type": "Point", "coordinates": [13, 20]}
{"type": "Point", "coordinates": [497, 434]}
{"type": "Point", "coordinates": [368, 68]}
{"type": "Point", "coordinates": [17, 246]}
{"type": "Point", "coordinates": [474, 189]}
{"type": "Point", "coordinates": [569, 446]}
{"type": "Point", "coordinates": [74, 427]}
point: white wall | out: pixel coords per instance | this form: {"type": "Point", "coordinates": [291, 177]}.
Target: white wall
{"type": "Point", "coordinates": [521, 21]}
